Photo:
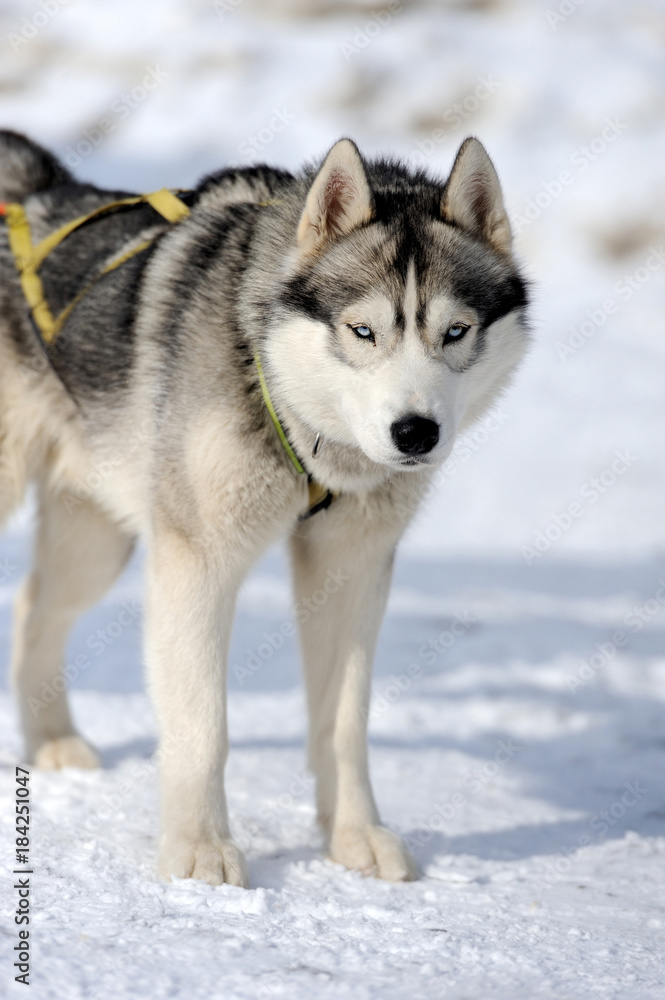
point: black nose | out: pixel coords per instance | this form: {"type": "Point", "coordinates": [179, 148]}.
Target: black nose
{"type": "Point", "coordinates": [415, 435]}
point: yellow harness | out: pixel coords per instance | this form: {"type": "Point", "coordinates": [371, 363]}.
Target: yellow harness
{"type": "Point", "coordinates": [29, 258]}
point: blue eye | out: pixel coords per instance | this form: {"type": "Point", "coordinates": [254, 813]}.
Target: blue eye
{"type": "Point", "coordinates": [363, 332]}
{"type": "Point", "coordinates": [455, 332]}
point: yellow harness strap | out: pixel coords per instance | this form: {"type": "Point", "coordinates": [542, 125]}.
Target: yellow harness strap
{"type": "Point", "coordinates": [29, 258]}
{"type": "Point", "coordinates": [20, 243]}
{"type": "Point", "coordinates": [168, 205]}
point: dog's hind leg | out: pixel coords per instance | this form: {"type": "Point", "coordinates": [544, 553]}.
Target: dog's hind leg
{"type": "Point", "coordinates": [342, 565]}
{"type": "Point", "coordinates": [12, 465]}
{"type": "Point", "coordinates": [78, 554]}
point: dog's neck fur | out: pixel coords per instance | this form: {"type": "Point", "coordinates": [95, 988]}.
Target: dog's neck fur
{"type": "Point", "coordinates": [339, 467]}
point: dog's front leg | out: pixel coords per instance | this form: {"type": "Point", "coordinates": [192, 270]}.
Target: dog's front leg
{"type": "Point", "coordinates": [191, 597]}
{"type": "Point", "coordinates": [342, 562]}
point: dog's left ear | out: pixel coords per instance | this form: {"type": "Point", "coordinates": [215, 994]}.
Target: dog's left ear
{"type": "Point", "coordinates": [473, 200]}
{"type": "Point", "coordinates": [339, 200]}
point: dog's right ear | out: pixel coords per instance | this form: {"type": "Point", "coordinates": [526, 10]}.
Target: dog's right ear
{"type": "Point", "coordinates": [339, 200]}
{"type": "Point", "coordinates": [472, 199]}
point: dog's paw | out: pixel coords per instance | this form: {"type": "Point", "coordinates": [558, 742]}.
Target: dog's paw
{"type": "Point", "coordinates": [210, 861]}
{"type": "Point", "coordinates": [373, 850]}
{"type": "Point", "coordinates": [66, 751]}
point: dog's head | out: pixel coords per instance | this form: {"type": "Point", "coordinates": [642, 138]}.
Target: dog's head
{"type": "Point", "coordinates": [402, 313]}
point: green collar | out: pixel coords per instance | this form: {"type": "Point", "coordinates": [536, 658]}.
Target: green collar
{"type": "Point", "coordinates": [319, 496]}
{"type": "Point", "coordinates": [295, 461]}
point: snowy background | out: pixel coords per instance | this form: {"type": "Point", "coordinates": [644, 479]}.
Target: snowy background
{"type": "Point", "coordinates": [524, 761]}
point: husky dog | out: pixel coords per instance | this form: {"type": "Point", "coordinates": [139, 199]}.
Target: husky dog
{"type": "Point", "coordinates": [376, 311]}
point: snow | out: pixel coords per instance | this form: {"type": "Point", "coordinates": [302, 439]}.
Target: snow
{"type": "Point", "coordinates": [522, 757]}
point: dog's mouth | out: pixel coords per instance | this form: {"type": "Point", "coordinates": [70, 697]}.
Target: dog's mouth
{"type": "Point", "coordinates": [412, 462]}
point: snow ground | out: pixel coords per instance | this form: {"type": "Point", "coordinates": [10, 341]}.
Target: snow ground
{"type": "Point", "coordinates": [522, 763]}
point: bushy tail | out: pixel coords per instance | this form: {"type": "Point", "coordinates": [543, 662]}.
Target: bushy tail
{"type": "Point", "coordinates": [26, 168]}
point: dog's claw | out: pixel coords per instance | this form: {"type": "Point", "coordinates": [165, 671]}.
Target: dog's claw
{"type": "Point", "coordinates": [66, 751]}
{"type": "Point", "coordinates": [215, 862]}
{"type": "Point", "coordinates": [373, 850]}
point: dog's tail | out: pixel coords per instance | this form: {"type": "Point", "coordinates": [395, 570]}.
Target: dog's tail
{"type": "Point", "coordinates": [26, 168]}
